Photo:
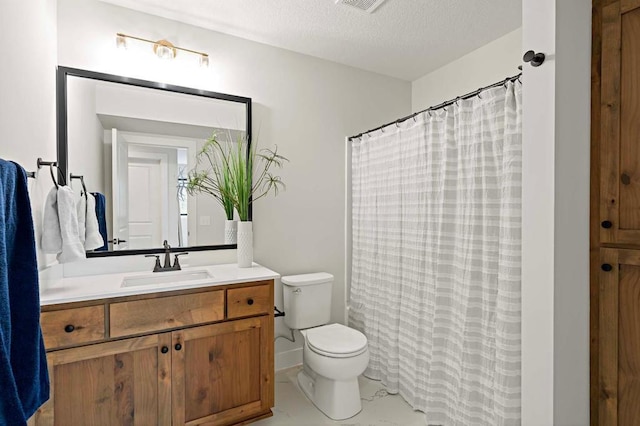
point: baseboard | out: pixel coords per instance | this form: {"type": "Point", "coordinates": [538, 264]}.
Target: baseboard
{"type": "Point", "coordinates": [288, 359]}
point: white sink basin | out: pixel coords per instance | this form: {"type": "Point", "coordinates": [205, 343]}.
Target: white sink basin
{"type": "Point", "coordinates": [165, 278]}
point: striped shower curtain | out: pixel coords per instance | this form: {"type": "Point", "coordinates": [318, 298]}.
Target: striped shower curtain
{"type": "Point", "coordinates": [436, 258]}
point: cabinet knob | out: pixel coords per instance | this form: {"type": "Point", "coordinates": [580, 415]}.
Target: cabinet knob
{"type": "Point", "coordinates": [69, 328]}
{"type": "Point", "coordinates": [250, 301]}
{"type": "Point", "coordinates": [178, 346]}
{"type": "Point", "coordinates": [606, 267]}
{"type": "Point", "coordinates": [606, 224]}
{"type": "Point", "coordinates": [164, 350]}
{"type": "Point", "coordinates": [625, 179]}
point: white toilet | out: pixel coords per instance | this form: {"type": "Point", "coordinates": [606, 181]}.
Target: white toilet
{"type": "Point", "coordinates": [334, 355]}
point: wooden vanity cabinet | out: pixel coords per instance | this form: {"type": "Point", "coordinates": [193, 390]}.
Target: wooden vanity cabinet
{"type": "Point", "coordinates": [174, 358]}
{"type": "Point", "coordinates": [125, 382]}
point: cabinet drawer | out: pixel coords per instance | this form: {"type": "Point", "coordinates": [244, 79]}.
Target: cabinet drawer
{"type": "Point", "coordinates": [143, 316]}
{"type": "Point", "coordinates": [246, 301]}
{"type": "Point", "coordinates": [72, 326]}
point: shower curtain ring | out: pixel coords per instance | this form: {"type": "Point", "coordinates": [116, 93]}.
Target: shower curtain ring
{"type": "Point", "coordinates": [456, 102]}
{"type": "Point", "coordinates": [415, 120]}
{"type": "Point", "coordinates": [479, 91]}
{"type": "Point", "coordinates": [397, 124]}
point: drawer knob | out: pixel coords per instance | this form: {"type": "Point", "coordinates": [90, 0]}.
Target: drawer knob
{"type": "Point", "coordinates": [250, 301]}
{"type": "Point", "coordinates": [625, 179]}
{"type": "Point", "coordinates": [606, 267]}
{"type": "Point", "coordinates": [178, 346]}
{"type": "Point", "coordinates": [164, 349]}
{"type": "Point", "coordinates": [606, 224]}
{"type": "Point", "coordinates": [69, 328]}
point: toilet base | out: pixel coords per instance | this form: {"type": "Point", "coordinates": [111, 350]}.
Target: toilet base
{"type": "Point", "coordinates": [337, 399]}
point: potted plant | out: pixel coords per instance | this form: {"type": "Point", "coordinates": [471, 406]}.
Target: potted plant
{"type": "Point", "coordinates": [240, 175]}
{"type": "Point", "coordinates": [215, 181]}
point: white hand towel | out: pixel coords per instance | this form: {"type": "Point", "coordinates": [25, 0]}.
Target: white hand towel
{"type": "Point", "coordinates": [51, 240]}
{"type": "Point", "coordinates": [81, 207]}
{"type": "Point", "coordinates": [93, 237]}
{"type": "Point", "coordinates": [72, 249]}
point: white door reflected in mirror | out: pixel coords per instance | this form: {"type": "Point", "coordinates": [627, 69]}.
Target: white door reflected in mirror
{"type": "Point", "coordinates": [120, 188]}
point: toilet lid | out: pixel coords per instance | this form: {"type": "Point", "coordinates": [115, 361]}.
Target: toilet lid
{"type": "Point", "coordinates": [336, 339]}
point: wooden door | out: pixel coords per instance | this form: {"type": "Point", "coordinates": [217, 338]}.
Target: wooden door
{"type": "Point", "coordinates": [222, 373]}
{"type": "Point", "coordinates": [127, 382]}
{"type": "Point", "coordinates": [620, 123]}
{"type": "Point", "coordinates": [619, 337]}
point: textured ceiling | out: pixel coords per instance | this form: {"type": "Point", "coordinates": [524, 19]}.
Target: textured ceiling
{"type": "Point", "coordinates": [402, 38]}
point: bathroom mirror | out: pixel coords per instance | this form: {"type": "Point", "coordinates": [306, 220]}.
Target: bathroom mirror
{"type": "Point", "coordinates": [134, 142]}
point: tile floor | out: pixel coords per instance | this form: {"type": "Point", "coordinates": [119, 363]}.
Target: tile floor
{"type": "Point", "coordinates": [378, 407]}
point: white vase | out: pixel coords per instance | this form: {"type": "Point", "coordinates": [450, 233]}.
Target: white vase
{"type": "Point", "coordinates": [230, 231]}
{"type": "Point", "coordinates": [245, 244]}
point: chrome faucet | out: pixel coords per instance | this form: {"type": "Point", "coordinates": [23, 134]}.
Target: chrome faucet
{"type": "Point", "coordinates": [167, 259]}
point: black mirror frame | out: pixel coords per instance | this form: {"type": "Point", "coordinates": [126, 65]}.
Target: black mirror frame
{"type": "Point", "coordinates": [62, 146]}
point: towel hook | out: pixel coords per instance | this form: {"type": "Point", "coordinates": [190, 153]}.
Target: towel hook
{"type": "Point", "coordinates": [81, 177]}
{"type": "Point", "coordinates": [51, 165]}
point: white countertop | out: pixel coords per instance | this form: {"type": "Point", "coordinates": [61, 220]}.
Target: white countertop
{"type": "Point", "coordinates": [103, 286]}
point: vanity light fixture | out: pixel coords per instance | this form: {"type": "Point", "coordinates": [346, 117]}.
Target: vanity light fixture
{"type": "Point", "coordinates": [163, 49]}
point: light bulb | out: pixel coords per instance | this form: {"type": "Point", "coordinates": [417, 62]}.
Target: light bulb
{"type": "Point", "coordinates": [164, 49]}
{"type": "Point", "coordinates": [121, 41]}
{"type": "Point", "coordinates": [164, 52]}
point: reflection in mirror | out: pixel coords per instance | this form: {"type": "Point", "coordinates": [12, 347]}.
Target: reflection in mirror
{"type": "Point", "coordinates": [136, 145]}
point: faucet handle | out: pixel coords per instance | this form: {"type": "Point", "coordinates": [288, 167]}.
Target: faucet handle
{"type": "Point", "coordinates": [176, 262]}
{"type": "Point", "coordinates": [157, 266]}
{"type": "Point", "coordinates": [165, 244]}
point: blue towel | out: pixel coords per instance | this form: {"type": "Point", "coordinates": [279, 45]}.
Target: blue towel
{"type": "Point", "coordinates": [24, 380]}
{"type": "Point", "coordinates": [101, 207]}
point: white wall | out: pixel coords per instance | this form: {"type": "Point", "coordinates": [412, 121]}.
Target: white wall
{"type": "Point", "coordinates": [555, 298]}
{"type": "Point", "coordinates": [85, 135]}
{"type": "Point", "coordinates": [572, 173]}
{"type": "Point", "coordinates": [27, 92]}
{"type": "Point", "coordinates": [304, 105]}
{"type": "Point", "coordinates": [490, 63]}
{"type": "Point", "coordinates": [538, 131]}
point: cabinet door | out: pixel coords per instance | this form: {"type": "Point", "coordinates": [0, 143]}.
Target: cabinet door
{"type": "Point", "coordinates": [223, 373]}
{"type": "Point", "coordinates": [126, 382]}
{"type": "Point", "coordinates": [620, 127]}
{"type": "Point", "coordinates": [619, 337]}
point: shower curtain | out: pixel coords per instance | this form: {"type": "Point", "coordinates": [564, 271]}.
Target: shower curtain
{"type": "Point", "coordinates": [436, 204]}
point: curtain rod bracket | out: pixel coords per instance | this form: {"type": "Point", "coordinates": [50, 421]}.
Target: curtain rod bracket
{"type": "Point", "coordinates": [535, 59]}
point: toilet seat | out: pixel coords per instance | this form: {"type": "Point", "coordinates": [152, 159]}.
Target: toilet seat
{"type": "Point", "coordinates": [336, 341]}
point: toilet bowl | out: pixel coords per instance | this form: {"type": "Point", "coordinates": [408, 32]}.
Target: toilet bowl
{"type": "Point", "coordinates": [334, 355]}
{"type": "Point", "coordinates": [329, 377]}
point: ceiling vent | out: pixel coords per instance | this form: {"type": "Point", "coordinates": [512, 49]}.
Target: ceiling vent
{"type": "Point", "coordinates": [364, 5]}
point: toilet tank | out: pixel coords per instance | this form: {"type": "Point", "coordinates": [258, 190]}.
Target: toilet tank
{"type": "Point", "coordinates": [307, 300]}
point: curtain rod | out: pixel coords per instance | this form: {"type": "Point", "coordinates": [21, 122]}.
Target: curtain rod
{"type": "Point", "coordinates": [439, 106]}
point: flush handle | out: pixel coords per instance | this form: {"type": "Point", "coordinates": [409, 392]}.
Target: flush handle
{"type": "Point", "coordinates": [297, 291]}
